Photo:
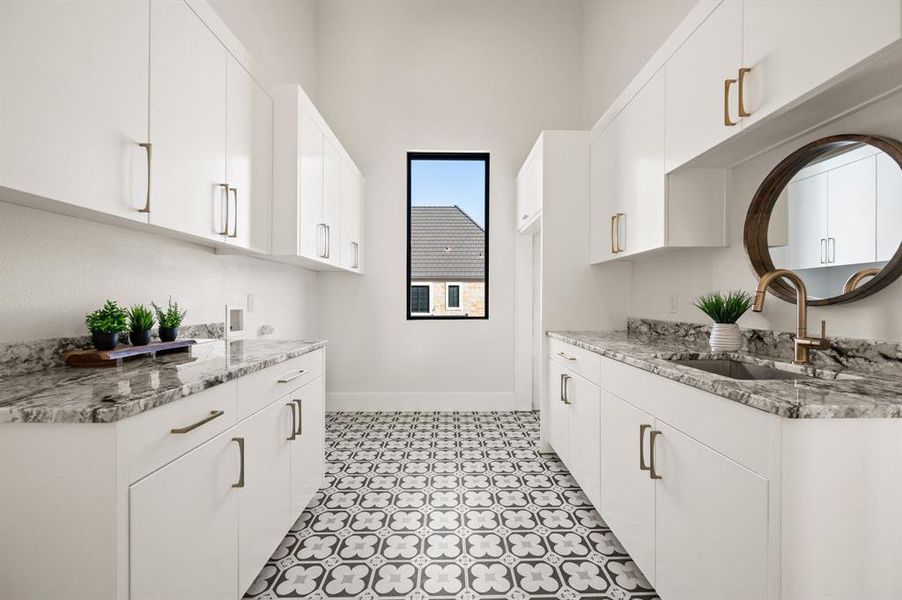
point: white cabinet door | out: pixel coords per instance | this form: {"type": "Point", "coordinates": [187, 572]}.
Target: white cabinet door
{"type": "Point", "coordinates": [711, 523]}
{"type": "Point", "coordinates": [627, 491]}
{"type": "Point", "coordinates": [332, 201]}
{"type": "Point", "coordinates": [351, 216]}
{"type": "Point", "coordinates": [642, 183]}
{"type": "Point", "coordinates": [308, 447]}
{"type": "Point", "coordinates": [585, 435]}
{"type": "Point", "coordinates": [529, 187]}
{"type": "Point", "coordinates": [187, 122]}
{"type": "Point", "coordinates": [852, 212]}
{"type": "Point", "coordinates": [558, 413]}
{"type": "Point", "coordinates": [183, 526]}
{"type": "Point", "coordinates": [73, 104]}
{"type": "Point", "coordinates": [889, 207]}
{"type": "Point", "coordinates": [312, 232]}
{"type": "Point", "coordinates": [695, 86]}
{"type": "Point", "coordinates": [604, 191]}
{"type": "Point", "coordinates": [249, 167]}
{"type": "Point", "coordinates": [793, 46]}
{"type": "Point", "coordinates": [807, 222]}
{"type": "Point", "coordinates": [264, 503]}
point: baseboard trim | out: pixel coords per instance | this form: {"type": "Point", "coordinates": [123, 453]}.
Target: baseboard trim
{"type": "Point", "coordinates": [421, 401]}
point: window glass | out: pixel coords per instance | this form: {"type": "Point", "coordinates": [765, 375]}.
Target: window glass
{"type": "Point", "coordinates": [453, 296]}
{"type": "Point", "coordinates": [419, 299]}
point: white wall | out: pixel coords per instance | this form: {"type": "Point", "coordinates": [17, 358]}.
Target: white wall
{"type": "Point", "coordinates": [690, 273]}
{"type": "Point", "coordinates": [279, 34]}
{"type": "Point", "coordinates": [54, 269]}
{"type": "Point", "coordinates": [618, 38]}
{"type": "Point", "coordinates": [395, 76]}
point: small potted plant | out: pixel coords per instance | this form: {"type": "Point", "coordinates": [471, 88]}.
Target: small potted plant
{"type": "Point", "coordinates": [725, 310]}
{"type": "Point", "coordinates": [169, 320]}
{"type": "Point", "coordinates": [140, 322]}
{"type": "Point", "coordinates": [105, 324]}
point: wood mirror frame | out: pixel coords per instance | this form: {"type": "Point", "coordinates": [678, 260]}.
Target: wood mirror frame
{"type": "Point", "coordinates": [758, 217]}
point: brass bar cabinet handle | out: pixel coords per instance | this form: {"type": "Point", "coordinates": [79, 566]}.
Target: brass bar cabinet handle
{"type": "Point", "coordinates": [823, 250]}
{"type": "Point", "coordinates": [566, 356]}
{"type": "Point", "coordinates": [240, 441]}
{"type": "Point", "coordinates": [291, 376]}
{"type": "Point", "coordinates": [214, 414]}
{"type": "Point", "coordinates": [300, 430]}
{"type": "Point", "coordinates": [652, 436]}
{"type": "Point", "coordinates": [149, 148]}
{"type": "Point", "coordinates": [726, 102]}
{"type": "Point", "coordinates": [642, 430]}
{"type": "Point", "coordinates": [562, 386]}
{"type": "Point", "coordinates": [831, 250]}
{"type": "Point", "coordinates": [234, 234]}
{"type": "Point", "coordinates": [328, 241]}
{"type": "Point", "coordinates": [225, 224]}
{"type": "Point", "coordinates": [619, 216]}
{"type": "Point", "coordinates": [356, 255]}
{"type": "Point", "coordinates": [742, 73]}
{"type": "Point", "coordinates": [294, 423]}
{"type": "Point", "coordinates": [613, 226]}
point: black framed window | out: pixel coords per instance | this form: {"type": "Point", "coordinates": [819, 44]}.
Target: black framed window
{"type": "Point", "coordinates": [447, 235]}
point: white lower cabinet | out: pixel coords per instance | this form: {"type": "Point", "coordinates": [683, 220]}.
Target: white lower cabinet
{"type": "Point", "coordinates": [711, 518]}
{"type": "Point", "coordinates": [264, 501]}
{"type": "Point", "coordinates": [307, 461]}
{"type": "Point", "coordinates": [558, 415]}
{"type": "Point", "coordinates": [627, 492]}
{"type": "Point", "coordinates": [183, 526]}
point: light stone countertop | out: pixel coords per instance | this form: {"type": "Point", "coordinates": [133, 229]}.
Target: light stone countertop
{"type": "Point", "coordinates": [79, 395]}
{"type": "Point", "coordinates": [844, 394]}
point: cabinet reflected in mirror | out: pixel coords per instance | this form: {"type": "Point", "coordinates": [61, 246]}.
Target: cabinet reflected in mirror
{"type": "Point", "coordinates": [831, 212]}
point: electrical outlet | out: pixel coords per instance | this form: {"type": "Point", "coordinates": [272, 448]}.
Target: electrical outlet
{"type": "Point", "coordinates": [674, 305]}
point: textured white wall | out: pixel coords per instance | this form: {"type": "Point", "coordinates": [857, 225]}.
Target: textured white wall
{"type": "Point", "coordinates": [690, 273]}
{"type": "Point", "coordinates": [279, 34]}
{"type": "Point", "coordinates": [54, 269]}
{"type": "Point", "coordinates": [618, 38]}
{"type": "Point", "coordinates": [395, 76]}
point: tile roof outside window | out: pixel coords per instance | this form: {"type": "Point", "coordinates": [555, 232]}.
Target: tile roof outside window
{"type": "Point", "coordinates": [445, 243]}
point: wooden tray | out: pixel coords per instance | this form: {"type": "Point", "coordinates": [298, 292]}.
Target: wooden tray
{"type": "Point", "coordinates": [110, 358]}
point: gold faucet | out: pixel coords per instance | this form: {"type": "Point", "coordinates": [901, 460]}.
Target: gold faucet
{"type": "Point", "coordinates": [855, 279]}
{"type": "Point", "coordinates": [803, 343]}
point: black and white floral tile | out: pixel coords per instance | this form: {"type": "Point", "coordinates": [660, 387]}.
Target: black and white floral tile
{"type": "Point", "coordinates": [447, 505]}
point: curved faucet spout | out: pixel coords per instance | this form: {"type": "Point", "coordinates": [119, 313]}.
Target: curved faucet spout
{"type": "Point", "coordinates": [802, 342]}
{"type": "Point", "coordinates": [857, 278]}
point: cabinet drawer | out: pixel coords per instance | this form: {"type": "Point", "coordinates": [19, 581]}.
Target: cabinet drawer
{"type": "Point", "coordinates": [265, 387]}
{"type": "Point", "coordinates": [196, 419]}
{"type": "Point", "coordinates": [578, 360]}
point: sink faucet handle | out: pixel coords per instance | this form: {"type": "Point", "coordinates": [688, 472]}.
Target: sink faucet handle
{"type": "Point", "coordinates": [823, 329]}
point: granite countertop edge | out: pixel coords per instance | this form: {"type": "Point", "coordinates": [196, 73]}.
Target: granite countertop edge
{"type": "Point", "coordinates": [113, 411]}
{"type": "Point", "coordinates": [827, 399]}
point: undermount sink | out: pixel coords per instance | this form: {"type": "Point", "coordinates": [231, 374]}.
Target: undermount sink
{"type": "Point", "coordinates": [735, 369]}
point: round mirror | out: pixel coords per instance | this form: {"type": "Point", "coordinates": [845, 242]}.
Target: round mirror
{"type": "Point", "coordinates": [832, 212]}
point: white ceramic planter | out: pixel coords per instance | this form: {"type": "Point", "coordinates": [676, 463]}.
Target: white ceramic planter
{"type": "Point", "coordinates": [725, 337]}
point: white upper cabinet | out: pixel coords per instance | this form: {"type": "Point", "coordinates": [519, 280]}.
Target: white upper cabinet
{"type": "Point", "coordinates": [351, 217]}
{"type": "Point", "coordinates": [604, 192]}
{"type": "Point", "coordinates": [889, 207]}
{"type": "Point", "coordinates": [530, 190]}
{"type": "Point", "coordinates": [750, 59]}
{"type": "Point", "coordinates": [73, 102]}
{"type": "Point", "coordinates": [794, 46]}
{"type": "Point", "coordinates": [249, 155]}
{"type": "Point", "coordinates": [188, 87]}
{"type": "Point", "coordinates": [808, 222]}
{"type": "Point", "coordinates": [699, 105]}
{"type": "Point", "coordinates": [851, 212]}
{"type": "Point", "coordinates": [316, 185]}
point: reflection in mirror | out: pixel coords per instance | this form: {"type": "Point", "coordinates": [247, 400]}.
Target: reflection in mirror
{"type": "Point", "coordinates": [839, 219]}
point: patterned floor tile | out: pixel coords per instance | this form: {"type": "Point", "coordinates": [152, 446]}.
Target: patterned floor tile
{"type": "Point", "coordinates": [460, 506]}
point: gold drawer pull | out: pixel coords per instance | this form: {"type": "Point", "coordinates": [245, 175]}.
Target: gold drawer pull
{"type": "Point", "coordinates": [742, 111]}
{"type": "Point", "coordinates": [642, 465]}
{"type": "Point", "coordinates": [726, 103]}
{"type": "Point", "coordinates": [613, 227]}
{"type": "Point", "coordinates": [214, 414]}
{"type": "Point", "coordinates": [651, 443]}
{"type": "Point", "coordinates": [300, 417]}
{"type": "Point", "coordinates": [293, 435]}
{"type": "Point", "coordinates": [292, 377]}
{"type": "Point", "coordinates": [240, 441]}
{"type": "Point", "coordinates": [565, 356]}
{"type": "Point", "coordinates": [225, 226]}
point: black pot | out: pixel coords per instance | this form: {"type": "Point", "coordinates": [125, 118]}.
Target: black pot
{"type": "Point", "coordinates": [139, 338]}
{"type": "Point", "coordinates": [168, 334]}
{"type": "Point", "coordinates": [104, 341]}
